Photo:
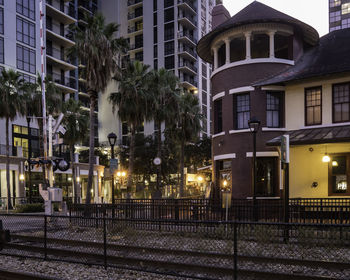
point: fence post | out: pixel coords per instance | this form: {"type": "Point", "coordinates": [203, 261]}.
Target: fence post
{"type": "Point", "coordinates": [45, 237]}
{"type": "Point", "coordinates": [235, 250]}
{"type": "Point", "coordinates": [104, 241]}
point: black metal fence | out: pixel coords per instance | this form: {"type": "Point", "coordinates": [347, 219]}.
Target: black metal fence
{"type": "Point", "coordinates": [328, 211]}
{"type": "Point", "coordinates": [195, 249]}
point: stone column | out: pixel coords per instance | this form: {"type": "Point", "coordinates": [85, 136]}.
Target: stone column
{"type": "Point", "coordinates": [227, 45]}
{"type": "Point", "coordinates": [247, 45]}
{"type": "Point", "coordinates": [216, 58]}
{"type": "Point", "coordinates": [272, 43]}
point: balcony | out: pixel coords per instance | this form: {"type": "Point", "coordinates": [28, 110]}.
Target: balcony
{"type": "Point", "coordinates": [62, 37]}
{"type": "Point", "coordinates": [135, 16]}
{"type": "Point", "coordinates": [187, 20]}
{"type": "Point", "coordinates": [65, 13]}
{"type": "Point", "coordinates": [58, 58]}
{"type": "Point", "coordinates": [187, 5]}
{"type": "Point", "coordinates": [134, 3]}
{"type": "Point", "coordinates": [136, 47]}
{"type": "Point", "coordinates": [187, 67]}
{"type": "Point", "coordinates": [188, 82]}
{"type": "Point", "coordinates": [133, 29]}
{"type": "Point", "coordinates": [187, 52]}
{"type": "Point", "coordinates": [67, 84]}
{"type": "Point", "coordinates": [185, 36]}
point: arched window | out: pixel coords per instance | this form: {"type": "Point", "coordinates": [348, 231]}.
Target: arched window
{"type": "Point", "coordinates": [260, 45]}
{"type": "Point", "coordinates": [237, 49]}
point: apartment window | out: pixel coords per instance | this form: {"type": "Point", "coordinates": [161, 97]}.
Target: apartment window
{"type": "Point", "coordinates": [345, 23]}
{"type": "Point", "coordinates": [339, 174]}
{"type": "Point", "coordinates": [169, 31]}
{"type": "Point", "coordinates": [25, 32]}
{"type": "Point", "coordinates": [28, 78]}
{"type": "Point", "coordinates": [25, 59]}
{"type": "Point", "coordinates": [313, 106]}
{"type": "Point", "coordinates": [168, 3]}
{"type": "Point", "coordinates": [242, 109]}
{"type": "Point", "coordinates": [169, 15]}
{"type": "Point", "coordinates": [155, 5]}
{"type": "Point", "coordinates": [334, 3]}
{"type": "Point", "coordinates": [155, 35]}
{"type": "Point", "coordinates": [218, 116]}
{"type": "Point", "coordinates": [26, 8]}
{"type": "Point", "coordinates": [169, 48]}
{"type": "Point", "coordinates": [1, 21]}
{"type": "Point", "coordinates": [139, 41]}
{"type": "Point", "coordinates": [155, 64]}
{"type": "Point", "coordinates": [155, 51]}
{"type": "Point", "coordinates": [273, 109]}
{"type": "Point", "coordinates": [345, 8]}
{"type": "Point", "coordinates": [2, 56]}
{"type": "Point", "coordinates": [169, 62]}
{"type": "Point", "coordinates": [155, 21]}
{"type": "Point", "coordinates": [341, 102]}
{"type": "Point", "coordinates": [334, 16]}
{"type": "Point", "coordinates": [139, 56]}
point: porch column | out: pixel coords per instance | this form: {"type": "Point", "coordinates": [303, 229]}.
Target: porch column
{"type": "Point", "coordinates": [247, 44]}
{"type": "Point", "coordinates": [216, 59]}
{"type": "Point", "coordinates": [272, 43]}
{"type": "Point", "coordinates": [227, 45]}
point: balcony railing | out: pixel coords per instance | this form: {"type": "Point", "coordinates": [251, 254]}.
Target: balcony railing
{"type": "Point", "coordinates": [188, 35]}
{"type": "Point", "coordinates": [57, 29]}
{"type": "Point", "coordinates": [136, 46]}
{"type": "Point", "coordinates": [132, 29]}
{"type": "Point", "coordinates": [65, 81]}
{"type": "Point", "coordinates": [191, 18]}
{"type": "Point", "coordinates": [59, 54]}
{"type": "Point", "coordinates": [134, 15]}
{"type": "Point", "coordinates": [187, 64]}
{"type": "Point", "coordinates": [188, 79]}
{"type": "Point", "coordinates": [66, 9]}
{"type": "Point", "coordinates": [188, 2]}
{"type": "Point", "coordinates": [133, 2]}
{"type": "Point", "coordinates": [184, 48]}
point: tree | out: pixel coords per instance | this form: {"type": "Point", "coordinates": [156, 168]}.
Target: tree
{"type": "Point", "coordinates": [188, 127]}
{"type": "Point", "coordinates": [76, 124]}
{"type": "Point", "coordinates": [133, 103]}
{"type": "Point", "coordinates": [11, 105]}
{"type": "Point", "coordinates": [165, 103]}
{"type": "Point", "coordinates": [96, 47]}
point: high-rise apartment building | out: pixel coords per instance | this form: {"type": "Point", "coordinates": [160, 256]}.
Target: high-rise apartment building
{"type": "Point", "coordinates": [339, 14]}
{"type": "Point", "coordinates": [20, 50]}
{"type": "Point", "coordinates": [163, 33]}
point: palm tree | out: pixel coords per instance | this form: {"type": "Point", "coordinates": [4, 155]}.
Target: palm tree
{"type": "Point", "coordinates": [133, 103]}
{"type": "Point", "coordinates": [188, 127]}
{"type": "Point", "coordinates": [96, 47]}
{"type": "Point", "coordinates": [165, 103]}
{"type": "Point", "coordinates": [76, 124]}
{"type": "Point", "coordinates": [11, 105]}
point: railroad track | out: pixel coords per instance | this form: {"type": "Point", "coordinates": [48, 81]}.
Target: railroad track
{"type": "Point", "coordinates": [14, 275]}
{"type": "Point", "coordinates": [119, 254]}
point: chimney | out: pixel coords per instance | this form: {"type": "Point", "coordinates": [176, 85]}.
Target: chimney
{"type": "Point", "coordinates": [220, 14]}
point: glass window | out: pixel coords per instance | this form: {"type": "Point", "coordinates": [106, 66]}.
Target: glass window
{"type": "Point", "coordinates": [25, 32]}
{"type": "Point", "coordinates": [26, 8]}
{"type": "Point", "coordinates": [334, 3]}
{"type": "Point", "coordinates": [25, 59]}
{"type": "Point", "coordinates": [334, 16]}
{"type": "Point", "coordinates": [341, 102]}
{"type": "Point", "coordinates": [313, 106]}
{"type": "Point", "coordinates": [260, 45]}
{"type": "Point", "coordinates": [345, 8]}
{"type": "Point", "coordinates": [1, 2]}
{"type": "Point", "coordinates": [169, 48]}
{"type": "Point", "coordinates": [217, 116]}
{"type": "Point", "coordinates": [273, 109]}
{"type": "Point", "coordinates": [242, 111]}
{"type": "Point", "coordinates": [266, 176]}
{"type": "Point", "coordinates": [169, 62]}
{"type": "Point", "coordinates": [1, 21]}
{"type": "Point", "coordinates": [339, 174]}
{"type": "Point", "coordinates": [168, 31]}
{"type": "Point", "coordinates": [2, 56]}
{"type": "Point", "coordinates": [169, 15]}
{"type": "Point", "coordinates": [17, 129]}
{"type": "Point", "coordinates": [28, 78]}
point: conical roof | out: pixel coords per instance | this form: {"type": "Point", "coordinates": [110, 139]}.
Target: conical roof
{"type": "Point", "coordinates": [255, 12]}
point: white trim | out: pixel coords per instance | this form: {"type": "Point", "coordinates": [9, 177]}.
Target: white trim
{"type": "Point", "coordinates": [325, 125]}
{"type": "Point", "coordinates": [273, 88]}
{"type": "Point", "coordinates": [263, 154]}
{"type": "Point", "coordinates": [218, 134]}
{"type": "Point", "coordinates": [264, 197]}
{"type": "Point", "coordinates": [218, 95]}
{"type": "Point", "coordinates": [225, 156]}
{"type": "Point", "coordinates": [234, 131]}
{"type": "Point", "coordinates": [241, 89]}
{"type": "Point", "coordinates": [273, 129]}
{"type": "Point", "coordinates": [252, 61]}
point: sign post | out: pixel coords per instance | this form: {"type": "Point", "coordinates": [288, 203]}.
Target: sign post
{"type": "Point", "coordinates": [285, 166]}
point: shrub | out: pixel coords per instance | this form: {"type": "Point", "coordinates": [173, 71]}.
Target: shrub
{"type": "Point", "coordinates": [30, 208]}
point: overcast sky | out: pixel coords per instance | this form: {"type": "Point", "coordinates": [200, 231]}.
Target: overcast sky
{"type": "Point", "coordinates": [312, 12]}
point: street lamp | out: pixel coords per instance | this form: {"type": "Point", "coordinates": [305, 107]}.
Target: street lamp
{"type": "Point", "coordinates": [112, 139]}
{"type": "Point", "coordinates": [254, 125]}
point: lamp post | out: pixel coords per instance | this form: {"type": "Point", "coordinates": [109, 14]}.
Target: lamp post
{"type": "Point", "coordinates": [112, 139]}
{"type": "Point", "coordinates": [254, 125]}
